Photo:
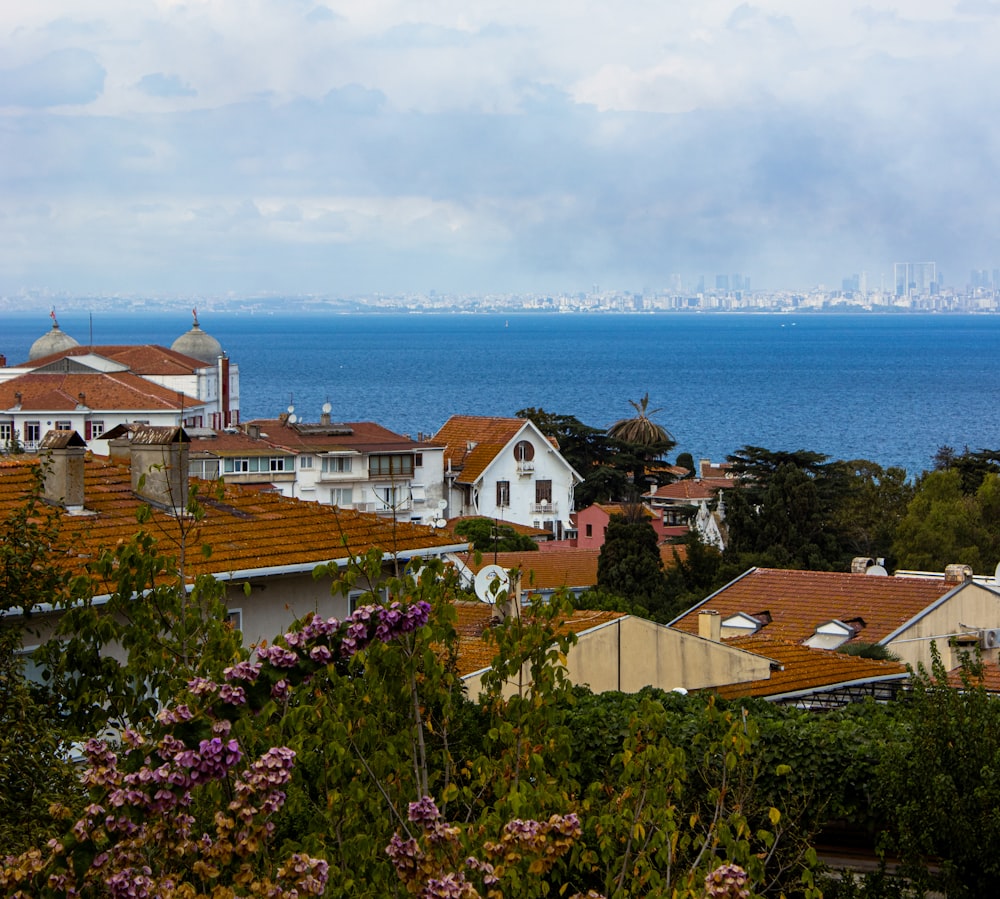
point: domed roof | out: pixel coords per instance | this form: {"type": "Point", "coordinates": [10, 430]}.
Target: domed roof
{"type": "Point", "coordinates": [198, 344]}
{"type": "Point", "coordinates": [54, 341]}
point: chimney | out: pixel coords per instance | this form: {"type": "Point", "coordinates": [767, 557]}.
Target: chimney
{"type": "Point", "coordinates": [324, 417]}
{"type": "Point", "coordinates": [253, 431]}
{"type": "Point", "coordinates": [860, 564]}
{"type": "Point", "coordinates": [710, 625]}
{"type": "Point", "coordinates": [957, 574]}
{"type": "Point", "coordinates": [160, 466]}
{"type": "Point", "coordinates": [62, 454]}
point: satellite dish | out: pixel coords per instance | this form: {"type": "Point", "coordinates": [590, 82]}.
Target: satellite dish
{"type": "Point", "coordinates": [292, 419]}
{"type": "Point", "coordinates": [327, 407]}
{"type": "Point", "coordinates": [443, 504]}
{"type": "Point", "coordinates": [490, 582]}
{"type": "Point", "coordinates": [440, 523]}
{"type": "Point", "coordinates": [291, 409]}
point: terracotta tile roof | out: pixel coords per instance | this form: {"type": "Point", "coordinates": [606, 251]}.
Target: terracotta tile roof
{"type": "Point", "coordinates": [223, 444]}
{"type": "Point", "coordinates": [548, 570]}
{"type": "Point", "coordinates": [245, 529]}
{"type": "Point", "coordinates": [472, 442]}
{"type": "Point", "coordinates": [803, 668]}
{"type": "Point", "coordinates": [990, 680]}
{"type": "Point", "coordinates": [475, 654]}
{"type": "Point", "coordinates": [143, 359]}
{"type": "Point", "coordinates": [799, 601]}
{"type": "Point", "coordinates": [670, 552]}
{"type": "Point", "coordinates": [692, 489]}
{"type": "Point", "coordinates": [365, 436]}
{"type": "Point", "coordinates": [619, 509]}
{"type": "Point", "coordinates": [112, 391]}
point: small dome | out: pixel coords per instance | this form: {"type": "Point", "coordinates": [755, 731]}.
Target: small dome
{"type": "Point", "coordinates": [54, 341]}
{"type": "Point", "coordinates": [197, 344]}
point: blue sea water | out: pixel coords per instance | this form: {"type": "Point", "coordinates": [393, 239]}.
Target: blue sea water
{"type": "Point", "coordinates": [890, 388]}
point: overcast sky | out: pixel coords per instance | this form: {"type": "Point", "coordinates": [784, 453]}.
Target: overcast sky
{"type": "Point", "coordinates": [365, 146]}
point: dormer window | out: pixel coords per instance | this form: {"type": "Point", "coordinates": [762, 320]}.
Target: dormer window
{"type": "Point", "coordinates": [524, 453]}
{"type": "Point", "coordinates": [743, 624]}
{"type": "Point", "coordinates": [833, 634]}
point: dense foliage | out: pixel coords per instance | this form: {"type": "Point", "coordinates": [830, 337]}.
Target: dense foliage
{"type": "Point", "coordinates": [487, 535]}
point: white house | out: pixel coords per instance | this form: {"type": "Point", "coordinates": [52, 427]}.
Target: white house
{"type": "Point", "coordinates": [507, 469]}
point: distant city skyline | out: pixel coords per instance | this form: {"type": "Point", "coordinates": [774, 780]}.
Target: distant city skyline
{"type": "Point", "coordinates": [237, 147]}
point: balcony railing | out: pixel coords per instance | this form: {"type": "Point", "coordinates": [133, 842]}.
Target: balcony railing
{"type": "Point", "coordinates": [545, 508]}
{"type": "Point", "coordinates": [525, 468]}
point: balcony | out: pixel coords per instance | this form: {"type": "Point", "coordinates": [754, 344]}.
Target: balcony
{"type": "Point", "coordinates": [525, 469]}
{"type": "Point", "coordinates": [545, 508]}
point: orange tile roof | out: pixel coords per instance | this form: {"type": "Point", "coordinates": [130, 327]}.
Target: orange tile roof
{"type": "Point", "coordinates": [102, 391]}
{"type": "Point", "coordinates": [799, 601]}
{"type": "Point", "coordinates": [692, 489]}
{"type": "Point", "coordinates": [475, 654]}
{"type": "Point", "coordinates": [246, 530]}
{"type": "Point", "coordinates": [548, 570]}
{"type": "Point", "coordinates": [805, 669]}
{"type": "Point", "coordinates": [143, 359]}
{"type": "Point", "coordinates": [486, 436]}
{"type": "Point", "coordinates": [365, 436]}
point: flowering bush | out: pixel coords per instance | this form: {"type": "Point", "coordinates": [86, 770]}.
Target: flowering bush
{"type": "Point", "coordinates": [138, 836]}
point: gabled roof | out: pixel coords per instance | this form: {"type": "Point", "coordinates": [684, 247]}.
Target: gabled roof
{"type": "Point", "coordinates": [249, 532]}
{"type": "Point", "coordinates": [143, 359]}
{"type": "Point", "coordinates": [472, 442]}
{"type": "Point", "coordinates": [799, 601]}
{"type": "Point", "coordinates": [802, 670]}
{"type": "Point", "coordinates": [359, 436]}
{"type": "Point", "coordinates": [115, 391]}
{"type": "Point", "coordinates": [475, 654]}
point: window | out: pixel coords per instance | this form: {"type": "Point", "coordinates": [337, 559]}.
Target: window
{"type": "Point", "coordinates": [277, 463]}
{"type": "Point", "coordinates": [32, 433]}
{"type": "Point", "coordinates": [418, 460]}
{"type": "Point", "coordinates": [392, 497]}
{"type": "Point", "coordinates": [543, 491]}
{"type": "Point", "coordinates": [342, 496]}
{"type": "Point", "coordinates": [93, 430]}
{"type": "Point", "coordinates": [64, 426]}
{"type": "Point", "coordinates": [206, 469]}
{"type": "Point", "coordinates": [524, 451]}
{"type": "Point", "coordinates": [336, 464]}
{"type": "Point", "coordinates": [6, 433]}
{"type": "Point", "coordinates": [590, 530]}
{"type": "Point", "coordinates": [503, 493]}
{"type": "Point", "coordinates": [237, 466]}
{"type": "Point", "coordinates": [390, 466]}
{"type": "Point", "coordinates": [234, 618]}
{"type": "Point", "coordinates": [305, 461]}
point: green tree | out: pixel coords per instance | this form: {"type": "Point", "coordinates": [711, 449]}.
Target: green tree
{"type": "Point", "coordinates": [872, 508]}
{"type": "Point", "coordinates": [487, 535]}
{"type": "Point", "coordinates": [944, 525]}
{"type": "Point", "coordinates": [629, 565]}
{"type": "Point", "coordinates": [938, 782]}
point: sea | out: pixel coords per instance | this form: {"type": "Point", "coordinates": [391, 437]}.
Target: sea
{"type": "Point", "coordinates": [890, 388]}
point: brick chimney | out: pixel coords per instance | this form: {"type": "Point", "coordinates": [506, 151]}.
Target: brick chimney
{"type": "Point", "coordinates": [62, 454]}
{"type": "Point", "coordinates": [160, 466]}
{"type": "Point", "coordinates": [956, 574]}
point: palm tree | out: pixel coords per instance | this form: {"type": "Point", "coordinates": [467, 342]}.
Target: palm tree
{"type": "Point", "coordinates": [642, 431]}
{"type": "Point", "coordinates": [642, 440]}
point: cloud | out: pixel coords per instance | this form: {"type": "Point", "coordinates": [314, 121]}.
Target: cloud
{"type": "Point", "coordinates": [156, 84]}
{"type": "Point", "coordinates": [68, 77]}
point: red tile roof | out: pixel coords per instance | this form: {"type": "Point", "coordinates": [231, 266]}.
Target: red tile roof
{"type": "Point", "coordinates": [245, 529]}
{"type": "Point", "coordinates": [472, 442]}
{"type": "Point", "coordinates": [548, 570]}
{"type": "Point", "coordinates": [112, 391]}
{"type": "Point", "coordinates": [475, 654]}
{"type": "Point", "coordinates": [692, 489]}
{"type": "Point", "coordinates": [799, 601]}
{"type": "Point", "coordinates": [805, 669]}
{"type": "Point", "coordinates": [143, 359]}
{"type": "Point", "coordinates": [365, 436]}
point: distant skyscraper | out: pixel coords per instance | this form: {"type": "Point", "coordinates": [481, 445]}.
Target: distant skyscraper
{"type": "Point", "coordinates": [915, 278]}
{"type": "Point", "coordinates": [722, 282]}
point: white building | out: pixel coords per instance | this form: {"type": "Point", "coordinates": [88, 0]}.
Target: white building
{"type": "Point", "coordinates": [91, 390]}
{"type": "Point", "coordinates": [507, 469]}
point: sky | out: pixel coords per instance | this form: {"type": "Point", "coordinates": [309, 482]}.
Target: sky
{"type": "Point", "coordinates": [243, 147]}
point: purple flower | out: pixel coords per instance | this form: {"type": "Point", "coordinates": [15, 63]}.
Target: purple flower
{"type": "Point", "coordinates": [424, 812]}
